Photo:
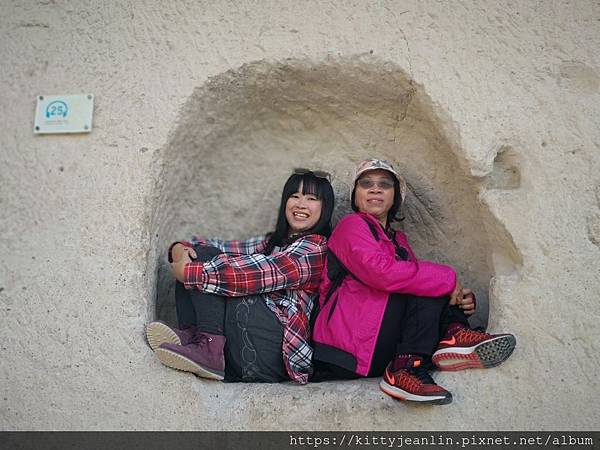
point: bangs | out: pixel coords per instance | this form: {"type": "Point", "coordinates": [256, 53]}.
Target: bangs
{"type": "Point", "coordinates": [311, 186]}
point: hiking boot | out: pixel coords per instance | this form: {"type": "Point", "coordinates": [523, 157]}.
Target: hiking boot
{"type": "Point", "coordinates": [203, 356]}
{"type": "Point", "coordinates": [407, 378]}
{"type": "Point", "coordinates": [160, 333]}
{"type": "Point", "coordinates": [463, 348]}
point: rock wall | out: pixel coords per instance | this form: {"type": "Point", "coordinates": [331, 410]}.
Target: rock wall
{"type": "Point", "coordinates": [489, 109]}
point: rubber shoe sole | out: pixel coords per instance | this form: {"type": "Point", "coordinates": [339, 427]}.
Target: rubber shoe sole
{"type": "Point", "coordinates": [400, 394]}
{"type": "Point", "coordinates": [159, 333]}
{"type": "Point", "coordinates": [481, 356]}
{"type": "Point", "coordinates": [179, 362]}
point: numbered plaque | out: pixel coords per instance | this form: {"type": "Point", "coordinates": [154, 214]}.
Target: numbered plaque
{"type": "Point", "coordinates": [64, 114]}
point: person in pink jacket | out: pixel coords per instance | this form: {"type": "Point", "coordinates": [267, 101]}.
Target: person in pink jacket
{"type": "Point", "coordinates": [384, 312]}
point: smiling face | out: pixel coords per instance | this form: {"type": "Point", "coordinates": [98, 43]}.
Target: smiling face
{"type": "Point", "coordinates": [374, 194]}
{"type": "Point", "coordinates": [302, 211]}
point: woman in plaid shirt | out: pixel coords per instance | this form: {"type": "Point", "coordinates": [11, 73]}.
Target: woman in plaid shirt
{"type": "Point", "coordinates": [244, 307]}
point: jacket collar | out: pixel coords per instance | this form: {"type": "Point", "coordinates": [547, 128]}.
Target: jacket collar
{"type": "Point", "coordinates": [371, 218]}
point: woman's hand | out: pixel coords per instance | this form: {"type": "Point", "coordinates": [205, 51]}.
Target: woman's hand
{"type": "Point", "coordinates": [463, 298]}
{"type": "Point", "coordinates": [178, 266]}
{"type": "Point", "coordinates": [467, 303]}
{"type": "Point", "coordinates": [456, 294]}
{"type": "Point", "coordinates": [179, 251]}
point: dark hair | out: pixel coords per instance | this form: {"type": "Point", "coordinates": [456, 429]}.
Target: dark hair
{"type": "Point", "coordinates": [393, 212]}
{"type": "Point", "coordinates": [317, 186]}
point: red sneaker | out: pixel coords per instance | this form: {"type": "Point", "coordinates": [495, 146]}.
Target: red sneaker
{"type": "Point", "coordinates": [464, 348]}
{"type": "Point", "coordinates": [406, 378]}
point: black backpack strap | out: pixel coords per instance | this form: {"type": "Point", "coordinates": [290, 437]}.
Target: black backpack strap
{"type": "Point", "coordinates": [401, 252]}
{"type": "Point", "coordinates": [372, 228]}
{"type": "Point", "coordinates": [336, 272]}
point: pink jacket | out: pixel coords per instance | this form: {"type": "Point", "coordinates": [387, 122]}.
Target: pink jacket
{"type": "Point", "coordinates": [347, 326]}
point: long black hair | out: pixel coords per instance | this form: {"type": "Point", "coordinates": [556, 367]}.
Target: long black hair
{"type": "Point", "coordinates": [311, 185]}
{"type": "Point", "coordinates": [393, 212]}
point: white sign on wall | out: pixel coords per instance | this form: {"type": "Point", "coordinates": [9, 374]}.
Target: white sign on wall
{"type": "Point", "coordinates": [64, 114]}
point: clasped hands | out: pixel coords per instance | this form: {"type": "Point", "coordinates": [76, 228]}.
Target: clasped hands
{"type": "Point", "coordinates": [463, 298]}
{"type": "Point", "coordinates": [181, 256]}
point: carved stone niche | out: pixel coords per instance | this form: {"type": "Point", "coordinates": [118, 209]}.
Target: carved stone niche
{"type": "Point", "coordinates": [241, 133]}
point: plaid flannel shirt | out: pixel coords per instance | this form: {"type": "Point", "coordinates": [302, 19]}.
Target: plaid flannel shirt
{"type": "Point", "coordinates": [287, 280]}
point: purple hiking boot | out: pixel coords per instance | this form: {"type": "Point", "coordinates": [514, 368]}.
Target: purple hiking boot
{"type": "Point", "coordinates": [158, 333]}
{"type": "Point", "coordinates": [203, 356]}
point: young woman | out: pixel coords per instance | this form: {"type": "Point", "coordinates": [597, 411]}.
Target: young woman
{"type": "Point", "coordinates": [244, 307]}
{"type": "Point", "coordinates": [383, 311]}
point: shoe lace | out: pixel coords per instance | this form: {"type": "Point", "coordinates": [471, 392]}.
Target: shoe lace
{"type": "Point", "coordinates": [200, 339]}
{"type": "Point", "coordinates": [470, 335]}
{"type": "Point", "coordinates": [422, 374]}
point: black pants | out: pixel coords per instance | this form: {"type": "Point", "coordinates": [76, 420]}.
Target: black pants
{"type": "Point", "coordinates": [410, 325]}
{"type": "Point", "coordinates": [253, 334]}
{"type": "Point", "coordinates": [205, 312]}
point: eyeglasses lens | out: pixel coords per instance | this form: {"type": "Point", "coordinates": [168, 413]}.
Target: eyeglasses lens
{"type": "Point", "coordinates": [365, 183]}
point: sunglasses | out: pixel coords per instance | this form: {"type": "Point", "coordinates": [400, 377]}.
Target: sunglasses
{"type": "Point", "coordinates": [316, 173]}
{"type": "Point", "coordinates": [367, 183]}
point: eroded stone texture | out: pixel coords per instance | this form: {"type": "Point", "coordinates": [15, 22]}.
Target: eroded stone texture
{"type": "Point", "coordinates": [580, 78]}
{"type": "Point", "coordinates": [241, 134]}
{"type": "Point", "coordinates": [506, 173]}
{"type": "Point", "coordinates": [594, 229]}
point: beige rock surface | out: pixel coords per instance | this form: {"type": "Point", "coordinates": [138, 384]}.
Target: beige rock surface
{"type": "Point", "coordinates": [490, 108]}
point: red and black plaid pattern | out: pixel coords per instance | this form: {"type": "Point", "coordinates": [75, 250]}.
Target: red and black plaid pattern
{"type": "Point", "coordinates": [235, 247]}
{"type": "Point", "coordinates": [287, 280]}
